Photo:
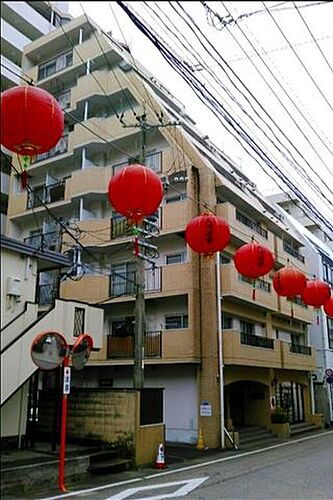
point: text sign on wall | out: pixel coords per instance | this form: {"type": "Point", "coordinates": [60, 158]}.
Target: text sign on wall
{"type": "Point", "coordinates": [205, 409]}
{"type": "Point", "coordinates": [67, 380]}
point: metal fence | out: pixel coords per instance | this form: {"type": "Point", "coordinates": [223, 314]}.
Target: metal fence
{"type": "Point", "coordinates": [256, 341]}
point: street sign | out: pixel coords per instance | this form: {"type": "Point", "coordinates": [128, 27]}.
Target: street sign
{"type": "Point", "coordinates": [205, 409]}
{"type": "Point", "coordinates": [67, 380]}
{"type": "Point", "coordinates": [329, 372]}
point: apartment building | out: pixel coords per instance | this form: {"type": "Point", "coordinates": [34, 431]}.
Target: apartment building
{"type": "Point", "coordinates": [318, 252]}
{"type": "Point", "coordinates": [21, 23]}
{"type": "Point", "coordinates": [266, 354]}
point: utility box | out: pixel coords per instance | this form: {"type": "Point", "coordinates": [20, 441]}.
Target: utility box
{"type": "Point", "coordinates": [13, 286]}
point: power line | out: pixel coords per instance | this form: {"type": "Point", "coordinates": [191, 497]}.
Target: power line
{"type": "Point", "coordinates": [179, 68]}
{"type": "Point", "coordinates": [298, 58]}
{"type": "Point", "coordinates": [313, 38]}
{"type": "Point", "coordinates": [232, 97]}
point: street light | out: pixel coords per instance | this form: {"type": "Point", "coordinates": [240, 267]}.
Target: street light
{"type": "Point", "coordinates": [48, 351]}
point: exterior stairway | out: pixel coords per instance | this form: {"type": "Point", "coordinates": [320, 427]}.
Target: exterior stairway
{"type": "Point", "coordinates": [303, 427]}
{"type": "Point", "coordinates": [255, 437]}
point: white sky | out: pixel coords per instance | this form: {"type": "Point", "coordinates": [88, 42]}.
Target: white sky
{"type": "Point", "coordinates": [266, 37]}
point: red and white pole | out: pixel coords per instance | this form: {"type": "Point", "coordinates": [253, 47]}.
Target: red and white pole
{"type": "Point", "coordinates": [62, 451]}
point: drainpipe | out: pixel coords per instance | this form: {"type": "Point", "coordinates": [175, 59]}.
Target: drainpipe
{"type": "Point", "coordinates": [220, 343]}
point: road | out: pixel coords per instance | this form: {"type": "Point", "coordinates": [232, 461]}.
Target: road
{"type": "Point", "coordinates": [301, 469]}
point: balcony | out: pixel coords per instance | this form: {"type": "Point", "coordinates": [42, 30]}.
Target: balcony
{"type": "Point", "coordinates": [298, 357]}
{"type": "Point", "coordinates": [46, 241]}
{"type": "Point", "coordinates": [90, 289]}
{"type": "Point", "coordinates": [243, 228]}
{"type": "Point", "coordinates": [300, 311]}
{"type": "Point", "coordinates": [64, 99]}
{"type": "Point", "coordinates": [250, 350]}
{"type": "Point", "coordinates": [285, 252]}
{"type": "Point", "coordinates": [46, 194]}
{"type": "Point", "coordinates": [125, 283]}
{"type": "Point", "coordinates": [60, 148]}
{"type": "Point", "coordinates": [175, 216]}
{"type": "Point", "coordinates": [121, 229]}
{"type": "Point", "coordinates": [256, 341]}
{"type": "Point", "coordinates": [123, 347]}
{"type": "Point", "coordinates": [293, 252]}
{"type": "Point", "coordinates": [88, 182]}
{"type": "Point", "coordinates": [55, 65]}
{"type": "Point", "coordinates": [240, 288]}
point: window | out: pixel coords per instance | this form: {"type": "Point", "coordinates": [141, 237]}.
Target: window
{"type": "Point", "coordinates": [175, 258]}
{"type": "Point", "coordinates": [330, 332]}
{"type": "Point", "coordinates": [227, 321]}
{"type": "Point", "coordinates": [123, 279]}
{"type": "Point", "coordinates": [225, 259]}
{"type": "Point", "coordinates": [154, 161]}
{"type": "Point", "coordinates": [174, 322]}
{"type": "Point", "coordinates": [246, 327]}
{"type": "Point", "coordinates": [54, 65]}
{"type": "Point", "coordinates": [79, 313]}
{"type": "Point", "coordinates": [328, 273]}
{"type": "Point", "coordinates": [123, 327]}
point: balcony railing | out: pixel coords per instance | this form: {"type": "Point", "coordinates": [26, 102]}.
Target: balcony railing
{"type": "Point", "coordinates": [291, 251]}
{"type": "Point", "coordinates": [46, 241]}
{"type": "Point", "coordinates": [123, 347]}
{"type": "Point", "coordinates": [260, 284]}
{"type": "Point", "coordinates": [46, 194]}
{"type": "Point", "coordinates": [121, 229]}
{"type": "Point", "coordinates": [251, 224]}
{"type": "Point", "coordinates": [256, 341]}
{"type": "Point", "coordinates": [300, 349]}
{"type": "Point", "coordinates": [60, 148]}
{"type": "Point", "coordinates": [153, 161]}
{"type": "Point", "coordinates": [125, 283]}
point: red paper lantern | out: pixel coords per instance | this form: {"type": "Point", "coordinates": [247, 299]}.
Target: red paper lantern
{"type": "Point", "coordinates": [135, 192]}
{"type": "Point", "coordinates": [328, 307]}
{"type": "Point", "coordinates": [207, 234]}
{"type": "Point", "coordinates": [316, 293]}
{"type": "Point", "coordinates": [289, 282]}
{"type": "Point", "coordinates": [253, 260]}
{"type": "Point", "coordinates": [32, 121]}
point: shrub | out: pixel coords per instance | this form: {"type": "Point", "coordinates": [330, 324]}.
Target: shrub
{"type": "Point", "coordinates": [279, 416]}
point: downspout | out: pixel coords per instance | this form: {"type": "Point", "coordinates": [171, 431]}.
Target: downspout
{"type": "Point", "coordinates": [220, 344]}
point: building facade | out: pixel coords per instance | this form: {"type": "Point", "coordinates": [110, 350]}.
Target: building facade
{"type": "Point", "coordinates": [267, 357]}
{"type": "Point", "coordinates": [317, 250]}
{"type": "Point", "coordinates": [21, 23]}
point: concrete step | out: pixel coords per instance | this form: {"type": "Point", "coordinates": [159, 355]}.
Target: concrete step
{"type": "Point", "coordinates": [259, 443]}
{"type": "Point", "coordinates": [258, 436]}
{"type": "Point", "coordinates": [112, 465]}
{"type": "Point", "coordinates": [300, 430]}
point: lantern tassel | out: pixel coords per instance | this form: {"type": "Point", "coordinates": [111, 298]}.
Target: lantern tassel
{"type": "Point", "coordinates": [254, 290]}
{"type": "Point", "coordinates": [24, 179]}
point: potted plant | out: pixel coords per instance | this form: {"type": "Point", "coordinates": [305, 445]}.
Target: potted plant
{"type": "Point", "coordinates": [279, 416]}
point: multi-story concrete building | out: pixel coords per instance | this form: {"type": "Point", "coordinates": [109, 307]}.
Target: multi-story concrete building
{"type": "Point", "coordinates": [267, 357]}
{"type": "Point", "coordinates": [317, 250]}
{"type": "Point", "coordinates": [21, 23]}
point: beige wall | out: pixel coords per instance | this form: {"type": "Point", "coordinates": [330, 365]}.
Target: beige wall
{"type": "Point", "coordinates": [14, 414]}
{"type": "Point", "coordinates": [22, 267]}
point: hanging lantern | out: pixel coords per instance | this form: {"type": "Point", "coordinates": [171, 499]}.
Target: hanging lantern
{"type": "Point", "coordinates": [253, 260]}
{"type": "Point", "coordinates": [32, 121]}
{"type": "Point", "coordinates": [316, 294]}
{"type": "Point", "coordinates": [289, 282]}
{"type": "Point", "coordinates": [328, 307]}
{"type": "Point", "coordinates": [135, 192]}
{"type": "Point", "coordinates": [207, 234]}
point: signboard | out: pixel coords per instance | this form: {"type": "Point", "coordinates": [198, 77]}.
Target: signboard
{"type": "Point", "coordinates": [67, 380]}
{"type": "Point", "coordinates": [329, 375]}
{"type": "Point", "coordinates": [205, 409]}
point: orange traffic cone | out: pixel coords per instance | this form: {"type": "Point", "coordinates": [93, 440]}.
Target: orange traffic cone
{"type": "Point", "coordinates": [160, 458]}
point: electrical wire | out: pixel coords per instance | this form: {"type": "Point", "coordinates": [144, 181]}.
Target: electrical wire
{"type": "Point", "coordinates": [298, 58]}
{"type": "Point", "coordinates": [296, 166]}
{"type": "Point", "coordinates": [177, 64]}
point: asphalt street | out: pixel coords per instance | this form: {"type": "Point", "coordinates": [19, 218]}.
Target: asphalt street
{"type": "Point", "coordinates": [302, 469]}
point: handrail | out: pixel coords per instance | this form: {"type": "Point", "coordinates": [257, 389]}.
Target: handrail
{"type": "Point", "coordinates": [18, 316]}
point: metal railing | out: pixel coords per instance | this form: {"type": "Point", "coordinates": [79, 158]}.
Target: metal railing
{"type": "Point", "coordinates": [46, 194]}
{"type": "Point", "coordinates": [46, 241]}
{"type": "Point", "coordinates": [300, 349]}
{"type": "Point", "coordinates": [121, 229]}
{"type": "Point", "coordinates": [153, 161]}
{"type": "Point", "coordinates": [256, 341]}
{"type": "Point", "coordinates": [251, 224]}
{"type": "Point", "coordinates": [291, 251]}
{"type": "Point", "coordinates": [125, 283]}
{"type": "Point", "coordinates": [60, 148]}
{"type": "Point", "coordinates": [123, 347]}
{"type": "Point", "coordinates": [64, 99]}
{"type": "Point", "coordinates": [260, 284]}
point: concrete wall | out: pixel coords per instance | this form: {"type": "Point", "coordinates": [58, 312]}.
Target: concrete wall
{"type": "Point", "coordinates": [14, 414]}
{"type": "Point", "coordinates": [16, 266]}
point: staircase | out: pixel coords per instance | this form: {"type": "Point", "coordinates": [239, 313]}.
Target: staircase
{"type": "Point", "coordinates": [108, 461]}
{"type": "Point", "coordinates": [303, 427]}
{"type": "Point", "coordinates": [17, 337]}
{"type": "Point", "coordinates": [255, 437]}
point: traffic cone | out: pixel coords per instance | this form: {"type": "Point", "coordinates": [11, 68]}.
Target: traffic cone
{"type": "Point", "coordinates": [201, 443]}
{"type": "Point", "coordinates": [160, 458]}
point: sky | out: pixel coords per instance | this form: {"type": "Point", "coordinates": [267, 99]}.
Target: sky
{"type": "Point", "coordinates": [305, 81]}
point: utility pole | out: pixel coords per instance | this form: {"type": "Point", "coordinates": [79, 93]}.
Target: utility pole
{"type": "Point", "coordinates": [140, 321]}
